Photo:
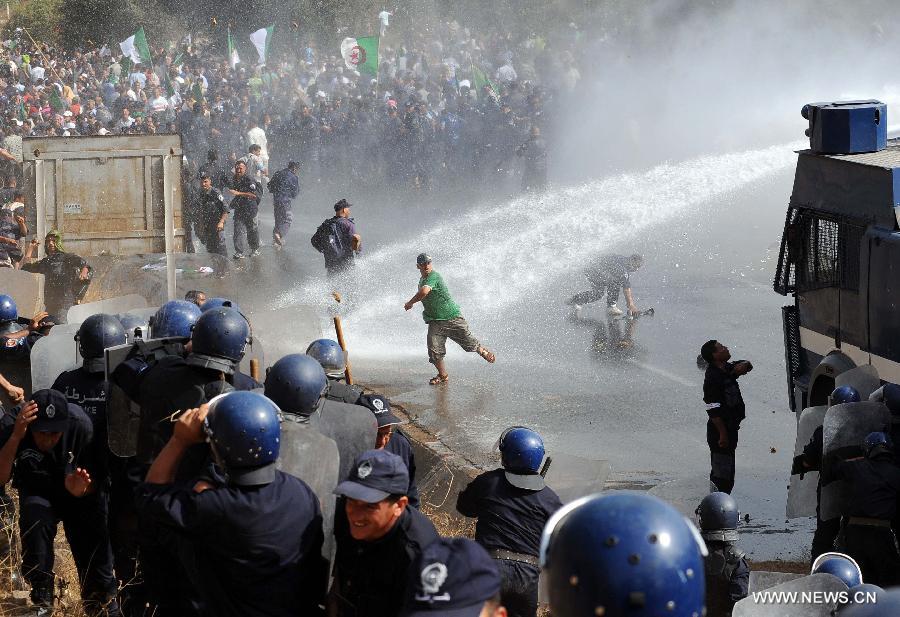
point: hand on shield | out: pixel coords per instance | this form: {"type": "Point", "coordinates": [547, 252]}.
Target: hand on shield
{"type": "Point", "coordinates": [79, 482]}
{"type": "Point", "coordinates": [189, 429]}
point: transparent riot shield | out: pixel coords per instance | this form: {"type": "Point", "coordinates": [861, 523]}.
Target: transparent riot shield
{"type": "Point", "coordinates": [801, 501]}
{"type": "Point", "coordinates": [815, 595]}
{"type": "Point", "coordinates": [572, 476]}
{"type": "Point", "coordinates": [863, 378]}
{"type": "Point", "coordinates": [112, 306]}
{"type": "Point", "coordinates": [123, 416]}
{"type": "Point", "coordinates": [684, 494]}
{"type": "Point", "coordinates": [50, 356]}
{"type": "Point", "coordinates": [352, 427]}
{"type": "Point", "coordinates": [843, 432]}
{"type": "Point", "coordinates": [762, 579]}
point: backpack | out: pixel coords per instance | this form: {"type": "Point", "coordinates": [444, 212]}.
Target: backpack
{"type": "Point", "coordinates": [328, 241]}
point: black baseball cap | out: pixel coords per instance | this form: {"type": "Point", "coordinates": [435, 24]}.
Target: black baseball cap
{"type": "Point", "coordinates": [453, 577]}
{"type": "Point", "coordinates": [423, 258]}
{"type": "Point", "coordinates": [53, 411]}
{"type": "Point", "coordinates": [375, 476]}
{"type": "Point", "coordinates": [381, 407]}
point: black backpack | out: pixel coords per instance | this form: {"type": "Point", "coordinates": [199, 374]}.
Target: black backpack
{"type": "Point", "coordinates": [327, 240]}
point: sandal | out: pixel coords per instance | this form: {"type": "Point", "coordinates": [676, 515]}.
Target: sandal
{"type": "Point", "coordinates": [486, 354]}
{"type": "Point", "coordinates": [438, 379]}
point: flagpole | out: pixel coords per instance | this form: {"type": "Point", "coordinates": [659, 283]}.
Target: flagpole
{"type": "Point", "coordinates": [41, 51]}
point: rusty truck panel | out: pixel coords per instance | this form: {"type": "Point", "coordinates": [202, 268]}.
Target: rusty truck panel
{"type": "Point", "coordinates": [107, 194]}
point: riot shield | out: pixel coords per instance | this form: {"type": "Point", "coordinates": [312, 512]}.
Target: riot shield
{"type": "Point", "coordinates": [761, 579]}
{"type": "Point", "coordinates": [66, 329]}
{"type": "Point", "coordinates": [50, 356]}
{"type": "Point", "coordinates": [144, 314]}
{"type": "Point", "coordinates": [119, 304]}
{"type": "Point", "coordinates": [254, 351]}
{"type": "Point", "coordinates": [684, 494]}
{"type": "Point", "coordinates": [314, 458]}
{"type": "Point", "coordinates": [572, 477]}
{"type": "Point", "coordinates": [352, 427]}
{"type": "Point", "coordinates": [802, 498]}
{"type": "Point", "coordinates": [123, 416]}
{"type": "Point", "coordinates": [306, 326]}
{"type": "Point", "coordinates": [815, 595]}
{"type": "Point", "coordinates": [863, 378]}
{"type": "Point", "coordinates": [843, 432]}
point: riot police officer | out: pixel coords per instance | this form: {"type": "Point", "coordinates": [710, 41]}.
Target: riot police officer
{"type": "Point", "coordinates": [250, 543]}
{"type": "Point", "coordinates": [840, 565]}
{"type": "Point", "coordinates": [352, 427]}
{"type": "Point", "coordinates": [211, 214]}
{"type": "Point", "coordinates": [174, 319]}
{"type": "Point", "coordinates": [512, 505]}
{"type": "Point", "coordinates": [378, 538]}
{"type": "Point", "coordinates": [49, 453]}
{"type": "Point", "coordinates": [246, 194]}
{"type": "Point", "coordinates": [727, 572]}
{"type": "Point", "coordinates": [866, 534]}
{"type": "Point", "coordinates": [330, 355]}
{"type": "Point", "coordinates": [392, 439]}
{"type": "Point", "coordinates": [603, 556]}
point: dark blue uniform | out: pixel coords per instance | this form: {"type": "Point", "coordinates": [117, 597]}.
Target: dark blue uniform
{"type": "Point", "coordinates": [248, 551]}
{"type": "Point", "coordinates": [866, 534]}
{"type": "Point", "coordinates": [44, 502]}
{"type": "Point", "coordinates": [399, 444]}
{"type": "Point", "coordinates": [284, 186]}
{"type": "Point", "coordinates": [723, 399]}
{"type": "Point", "coordinates": [370, 578]}
{"type": "Point", "coordinates": [246, 209]}
{"type": "Point", "coordinates": [727, 577]}
{"type": "Point", "coordinates": [510, 523]}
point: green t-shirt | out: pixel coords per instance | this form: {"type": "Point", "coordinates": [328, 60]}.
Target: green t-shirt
{"type": "Point", "coordinates": [439, 306]}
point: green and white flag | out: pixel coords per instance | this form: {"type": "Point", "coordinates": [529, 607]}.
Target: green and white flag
{"type": "Point", "coordinates": [135, 48]}
{"type": "Point", "coordinates": [261, 40]}
{"type": "Point", "coordinates": [233, 57]}
{"type": "Point", "coordinates": [361, 54]}
{"type": "Point", "coordinates": [481, 80]}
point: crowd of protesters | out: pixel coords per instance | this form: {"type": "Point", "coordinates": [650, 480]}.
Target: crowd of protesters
{"type": "Point", "coordinates": [451, 107]}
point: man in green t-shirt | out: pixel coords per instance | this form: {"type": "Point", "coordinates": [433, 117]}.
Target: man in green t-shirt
{"type": "Point", "coordinates": [443, 318]}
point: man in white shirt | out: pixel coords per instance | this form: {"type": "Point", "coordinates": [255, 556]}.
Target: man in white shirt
{"type": "Point", "coordinates": [256, 135]}
{"type": "Point", "coordinates": [159, 103]}
{"type": "Point", "coordinates": [385, 18]}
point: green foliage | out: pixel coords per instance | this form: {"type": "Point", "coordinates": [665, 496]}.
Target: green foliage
{"type": "Point", "coordinates": [40, 17]}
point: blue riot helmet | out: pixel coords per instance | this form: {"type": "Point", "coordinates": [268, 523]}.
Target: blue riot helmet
{"type": "Point", "coordinates": [844, 394]}
{"type": "Point", "coordinates": [214, 303]}
{"type": "Point", "coordinates": [8, 310]}
{"type": "Point", "coordinates": [95, 334]}
{"type": "Point", "coordinates": [521, 453]}
{"type": "Point", "coordinates": [244, 433]}
{"type": "Point", "coordinates": [330, 355]}
{"type": "Point", "coordinates": [622, 554]}
{"type": "Point", "coordinates": [840, 565]}
{"type": "Point", "coordinates": [174, 319]}
{"type": "Point", "coordinates": [876, 443]}
{"type": "Point", "coordinates": [218, 340]}
{"type": "Point", "coordinates": [296, 383]}
{"type": "Point", "coordinates": [891, 396]}
{"type": "Point", "coordinates": [718, 517]}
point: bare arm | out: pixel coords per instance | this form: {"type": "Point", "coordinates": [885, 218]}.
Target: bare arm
{"type": "Point", "coordinates": [356, 242]}
{"type": "Point", "coordinates": [188, 431]}
{"type": "Point", "coordinates": [424, 290]}
{"type": "Point", "coordinates": [26, 416]}
{"type": "Point", "coordinates": [629, 299]}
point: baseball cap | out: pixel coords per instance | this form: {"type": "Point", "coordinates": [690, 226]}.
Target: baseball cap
{"type": "Point", "coordinates": [375, 476]}
{"type": "Point", "coordinates": [381, 407]}
{"type": "Point", "coordinates": [453, 577]}
{"type": "Point", "coordinates": [53, 411]}
{"type": "Point", "coordinates": [423, 258]}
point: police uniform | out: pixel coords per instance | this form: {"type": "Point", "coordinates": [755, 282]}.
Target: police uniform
{"type": "Point", "coordinates": [866, 535]}
{"type": "Point", "coordinates": [246, 223]}
{"type": "Point", "coordinates": [210, 206]}
{"type": "Point", "coordinates": [811, 460]}
{"type": "Point", "coordinates": [371, 577]}
{"type": "Point", "coordinates": [248, 551]}
{"type": "Point", "coordinates": [400, 445]}
{"type": "Point", "coordinates": [510, 523]}
{"type": "Point", "coordinates": [44, 502]}
{"type": "Point", "coordinates": [723, 399]}
{"type": "Point", "coordinates": [727, 577]}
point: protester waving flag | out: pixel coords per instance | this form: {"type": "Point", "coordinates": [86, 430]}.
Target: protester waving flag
{"type": "Point", "coordinates": [233, 57]}
{"type": "Point", "coordinates": [361, 54]}
{"type": "Point", "coordinates": [135, 48]}
{"type": "Point", "coordinates": [261, 40]}
{"type": "Point", "coordinates": [481, 80]}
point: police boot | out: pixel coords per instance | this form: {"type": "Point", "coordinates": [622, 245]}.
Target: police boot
{"type": "Point", "coordinates": [42, 597]}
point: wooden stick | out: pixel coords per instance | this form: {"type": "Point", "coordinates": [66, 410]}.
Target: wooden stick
{"type": "Point", "coordinates": [348, 375]}
{"type": "Point", "coordinates": [254, 368]}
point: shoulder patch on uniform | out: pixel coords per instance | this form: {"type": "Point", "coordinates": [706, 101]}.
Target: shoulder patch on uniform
{"type": "Point", "coordinates": [221, 198]}
{"type": "Point", "coordinates": [252, 185]}
{"type": "Point", "coordinates": [11, 342]}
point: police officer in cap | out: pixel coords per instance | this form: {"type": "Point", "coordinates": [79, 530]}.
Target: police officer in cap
{"type": "Point", "coordinates": [727, 572]}
{"type": "Point", "coordinates": [512, 505]}
{"type": "Point", "coordinates": [49, 453]}
{"type": "Point", "coordinates": [330, 355]}
{"type": "Point", "coordinates": [392, 439]}
{"type": "Point", "coordinates": [454, 577]}
{"type": "Point", "coordinates": [622, 554]}
{"type": "Point", "coordinates": [211, 216]}
{"type": "Point", "coordinates": [352, 427]}
{"type": "Point", "coordinates": [866, 534]}
{"type": "Point", "coordinates": [251, 542]}
{"type": "Point", "coordinates": [378, 538]}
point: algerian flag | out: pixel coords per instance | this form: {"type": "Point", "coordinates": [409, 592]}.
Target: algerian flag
{"type": "Point", "coordinates": [233, 57]}
{"type": "Point", "coordinates": [135, 47]}
{"type": "Point", "coordinates": [481, 80]}
{"type": "Point", "coordinates": [361, 54]}
{"type": "Point", "coordinates": [261, 40]}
